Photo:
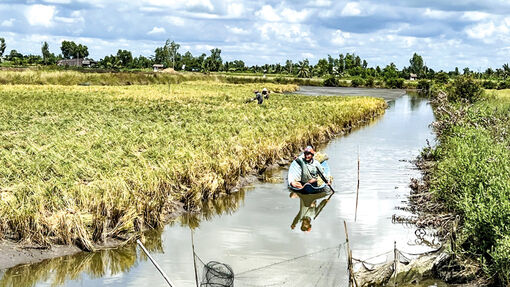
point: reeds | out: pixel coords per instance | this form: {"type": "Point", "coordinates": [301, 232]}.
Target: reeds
{"type": "Point", "coordinates": [81, 163]}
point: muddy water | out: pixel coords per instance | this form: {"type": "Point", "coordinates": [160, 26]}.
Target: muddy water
{"type": "Point", "coordinates": [253, 227]}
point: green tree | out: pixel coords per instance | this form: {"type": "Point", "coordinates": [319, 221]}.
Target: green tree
{"type": "Point", "coordinates": [125, 57]}
{"type": "Point", "coordinates": [288, 66]}
{"type": "Point", "coordinates": [417, 66]}
{"type": "Point", "coordinates": [46, 54]}
{"type": "Point", "coordinates": [171, 49]}
{"type": "Point", "coordinates": [160, 56]}
{"type": "Point", "coordinates": [303, 69]}
{"type": "Point", "coordinates": [390, 71]}
{"type": "Point", "coordinates": [213, 62]}
{"type": "Point", "coordinates": [72, 51]}
{"type": "Point", "coordinates": [322, 67]}
{"type": "Point", "coordinates": [2, 47]}
{"type": "Point", "coordinates": [441, 77]}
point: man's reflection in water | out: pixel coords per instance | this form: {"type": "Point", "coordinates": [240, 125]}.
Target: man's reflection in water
{"type": "Point", "coordinates": [308, 209]}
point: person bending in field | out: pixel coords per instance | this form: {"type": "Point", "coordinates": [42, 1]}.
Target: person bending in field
{"type": "Point", "coordinates": [265, 93]}
{"type": "Point", "coordinates": [304, 169]}
{"type": "Point", "coordinates": [258, 97]}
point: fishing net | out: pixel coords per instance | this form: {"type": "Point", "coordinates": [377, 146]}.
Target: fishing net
{"type": "Point", "coordinates": [216, 274]}
{"type": "Point", "coordinates": [325, 267]}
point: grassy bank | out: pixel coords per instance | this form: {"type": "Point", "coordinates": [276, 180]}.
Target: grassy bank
{"type": "Point", "coordinates": [109, 78]}
{"type": "Point", "coordinates": [121, 78]}
{"type": "Point", "coordinates": [472, 176]}
{"type": "Point", "coordinates": [82, 163]}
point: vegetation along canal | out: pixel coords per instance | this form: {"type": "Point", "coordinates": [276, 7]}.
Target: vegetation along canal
{"type": "Point", "coordinates": [252, 228]}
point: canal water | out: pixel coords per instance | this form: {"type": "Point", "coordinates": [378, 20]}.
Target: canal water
{"type": "Point", "coordinates": [258, 231]}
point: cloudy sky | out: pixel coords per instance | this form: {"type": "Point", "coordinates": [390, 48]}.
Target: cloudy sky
{"type": "Point", "coordinates": [460, 33]}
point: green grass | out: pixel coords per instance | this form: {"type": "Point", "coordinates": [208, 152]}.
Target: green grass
{"type": "Point", "coordinates": [81, 163]}
{"type": "Point", "coordinates": [472, 176]}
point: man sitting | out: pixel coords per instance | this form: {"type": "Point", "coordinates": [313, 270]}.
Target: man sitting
{"type": "Point", "coordinates": [304, 169]}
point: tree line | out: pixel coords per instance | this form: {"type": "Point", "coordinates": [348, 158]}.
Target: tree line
{"type": "Point", "coordinates": [347, 65]}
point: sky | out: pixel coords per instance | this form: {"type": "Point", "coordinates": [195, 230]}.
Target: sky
{"type": "Point", "coordinates": [463, 33]}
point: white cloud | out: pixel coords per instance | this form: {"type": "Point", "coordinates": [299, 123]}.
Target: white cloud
{"type": "Point", "coordinates": [157, 30]}
{"type": "Point", "coordinates": [295, 16]}
{"type": "Point", "coordinates": [236, 30]}
{"type": "Point", "coordinates": [8, 23]}
{"type": "Point", "coordinates": [267, 13]}
{"type": "Point", "coordinates": [475, 15]}
{"type": "Point", "coordinates": [41, 15]}
{"type": "Point", "coordinates": [57, 1]}
{"type": "Point", "coordinates": [285, 32]}
{"type": "Point", "coordinates": [307, 55]}
{"type": "Point", "coordinates": [235, 10]}
{"type": "Point", "coordinates": [437, 14]}
{"type": "Point", "coordinates": [176, 21]}
{"type": "Point", "coordinates": [489, 31]}
{"type": "Point", "coordinates": [351, 9]}
{"type": "Point", "coordinates": [180, 4]}
{"type": "Point", "coordinates": [339, 37]}
{"type": "Point", "coordinates": [321, 3]}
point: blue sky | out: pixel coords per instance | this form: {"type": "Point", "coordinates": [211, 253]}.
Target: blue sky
{"type": "Point", "coordinates": [446, 33]}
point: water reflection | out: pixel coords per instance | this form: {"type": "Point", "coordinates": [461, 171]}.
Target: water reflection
{"type": "Point", "coordinates": [223, 205]}
{"type": "Point", "coordinates": [308, 208]}
{"type": "Point", "coordinates": [112, 262]}
{"type": "Point", "coordinates": [93, 264]}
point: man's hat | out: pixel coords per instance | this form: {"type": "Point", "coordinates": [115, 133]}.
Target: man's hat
{"type": "Point", "coordinates": [309, 149]}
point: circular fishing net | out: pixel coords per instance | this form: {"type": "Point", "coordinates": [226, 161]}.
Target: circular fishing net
{"type": "Point", "coordinates": [216, 274]}
{"type": "Point", "coordinates": [325, 267]}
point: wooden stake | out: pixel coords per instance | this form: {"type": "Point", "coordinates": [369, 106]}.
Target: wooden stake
{"type": "Point", "coordinates": [155, 263]}
{"type": "Point", "coordinates": [395, 263]}
{"type": "Point", "coordinates": [194, 261]}
{"type": "Point", "coordinates": [352, 279]}
{"type": "Point", "coordinates": [357, 192]}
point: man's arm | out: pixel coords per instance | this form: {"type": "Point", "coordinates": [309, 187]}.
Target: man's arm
{"type": "Point", "coordinates": [294, 176]}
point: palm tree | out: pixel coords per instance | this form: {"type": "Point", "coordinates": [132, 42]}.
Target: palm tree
{"type": "Point", "coordinates": [303, 69]}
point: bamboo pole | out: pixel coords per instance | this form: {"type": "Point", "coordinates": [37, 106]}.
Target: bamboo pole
{"type": "Point", "coordinates": [395, 263]}
{"type": "Point", "coordinates": [357, 192]}
{"type": "Point", "coordinates": [352, 279]}
{"type": "Point", "coordinates": [155, 263]}
{"type": "Point", "coordinates": [194, 261]}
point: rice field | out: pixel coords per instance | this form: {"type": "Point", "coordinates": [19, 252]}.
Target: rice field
{"type": "Point", "coordinates": [79, 164]}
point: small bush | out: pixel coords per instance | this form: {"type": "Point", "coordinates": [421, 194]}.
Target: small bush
{"type": "Point", "coordinates": [424, 86]}
{"type": "Point", "coordinates": [370, 82]}
{"type": "Point", "coordinates": [441, 78]}
{"type": "Point", "coordinates": [503, 85]}
{"type": "Point", "coordinates": [394, 83]}
{"type": "Point", "coordinates": [465, 87]}
{"type": "Point", "coordinates": [331, 82]}
{"type": "Point", "coordinates": [490, 85]}
{"type": "Point", "coordinates": [357, 82]}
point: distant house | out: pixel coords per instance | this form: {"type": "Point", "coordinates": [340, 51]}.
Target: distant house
{"type": "Point", "coordinates": [413, 77]}
{"type": "Point", "coordinates": [82, 62]}
{"type": "Point", "coordinates": [157, 67]}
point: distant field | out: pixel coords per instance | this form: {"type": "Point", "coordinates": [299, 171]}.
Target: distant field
{"type": "Point", "coordinates": [80, 163]}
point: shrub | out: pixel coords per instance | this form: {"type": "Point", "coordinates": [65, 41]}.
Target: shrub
{"type": "Point", "coordinates": [370, 82]}
{"type": "Point", "coordinates": [331, 81]}
{"type": "Point", "coordinates": [357, 82]}
{"type": "Point", "coordinates": [465, 87]}
{"type": "Point", "coordinates": [424, 86]}
{"type": "Point", "coordinates": [490, 85]}
{"type": "Point", "coordinates": [503, 85]}
{"type": "Point", "coordinates": [441, 78]}
{"type": "Point", "coordinates": [394, 83]}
